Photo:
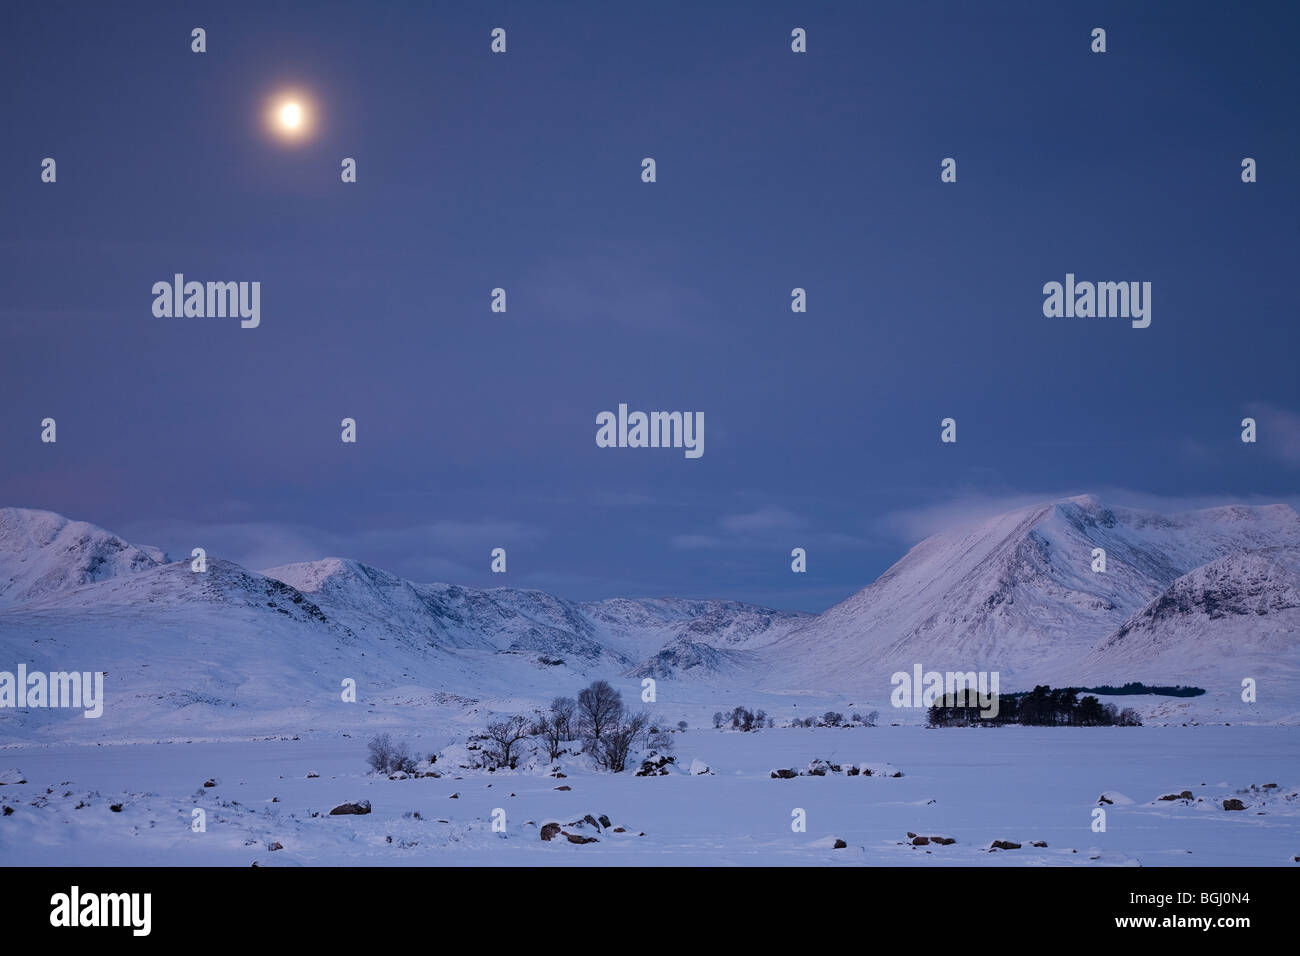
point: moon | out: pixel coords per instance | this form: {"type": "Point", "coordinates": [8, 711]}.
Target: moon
{"type": "Point", "coordinates": [290, 116]}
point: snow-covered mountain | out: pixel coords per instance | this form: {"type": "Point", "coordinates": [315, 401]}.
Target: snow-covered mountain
{"type": "Point", "coordinates": [613, 634]}
{"type": "Point", "coordinates": [1209, 597]}
{"type": "Point", "coordinates": [43, 554]}
{"type": "Point", "coordinates": [229, 651]}
{"type": "Point", "coordinates": [1017, 593]}
{"type": "Point", "coordinates": [1239, 614]}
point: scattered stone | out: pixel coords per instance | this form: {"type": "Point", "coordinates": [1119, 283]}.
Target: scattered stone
{"type": "Point", "coordinates": [784, 774]}
{"type": "Point", "coordinates": [1232, 803]}
{"type": "Point", "coordinates": [620, 830]}
{"type": "Point", "coordinates": [943, 841]}
{"type": "Point", "coordinates": [920, 841]}
{"type": "Point", "coordinates": [592, 820]}
{"type": "Point", "coordinates": [1102, 799]}
{"type": "Point", "coordinates": [565, 787]}
{"type": "Point", "coordinates": [604, 820]}
{"type": "Point", "coordinates": [344, 809]}
{"type": "Point", "coordinates": [654, 766]}
{"type": "Point", "coordinates": [312, 775]}
{"type": "Point", "coordinates": [454, 796]}
{"type": "Point", "coordinates": [210, 782]}
{"type": "Point", "coordinates": [9, 811]}
{"type": "Point", "coordinates": [1041, 843]}
{"type": "Point", "coordinates": [115, 807]}
{"type": "Point", "coordinates": [1004, 845]}
{"type": "Point", "coordinates": [550, 831]}
{"type": "Point", "coordinates": [840, 844]}
{"type": "Point", "coordinates": [699, 767]}
{"type": "Point", "coordinates": [579, 838]}
{"type": "Point", "coordinates": [1270, 786]}
{"type": "Point", "coordinates": [276, 846]}
{"type": "Point", "coordinates": [910, 834]}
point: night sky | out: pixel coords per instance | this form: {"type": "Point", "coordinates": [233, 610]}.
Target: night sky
{"type": "Point", "coordinates": [523, 171]}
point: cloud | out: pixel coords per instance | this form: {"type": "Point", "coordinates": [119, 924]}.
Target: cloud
{"type": "Point", "coordinates": [1278, 431]}
{"type": "Point", "coordinates": [765, 520]}
{"type": "Point", "coordinates": [613, 285]}
{"type": "Point", "coordinates": [910, 525]}
{"type": "Point", "coordinates": [437, 550]}
{"type": "Point", "coordinates": [692, 542]}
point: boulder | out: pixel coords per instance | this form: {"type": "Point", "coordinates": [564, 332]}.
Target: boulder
{"type": "Point", "coordinates": [1004, 845]}
{"type": "Point", "coordinates": [1232, 803]}
{"type": "Point", "coordinates": [344, 809]}
{"type": "Point", "coordinates": [550, 831]}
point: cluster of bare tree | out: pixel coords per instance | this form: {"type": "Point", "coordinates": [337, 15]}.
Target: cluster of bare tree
{"type": "Point", "coordinates": [608, 730]}
{"type": "Point", "coordinates": [833, 718]}
{"type": "Point", "coordinates": [387, 756]}
{"type": "Point", "coordinates": [744, 719]}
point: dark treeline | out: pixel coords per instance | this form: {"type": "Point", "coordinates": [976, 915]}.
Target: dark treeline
{"type": "Point", "coordinates": [1136, 687]}
{"type": "Point", "coordinates": [1041, 707]}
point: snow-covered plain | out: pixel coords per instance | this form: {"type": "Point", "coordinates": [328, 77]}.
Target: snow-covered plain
{"type": "Point", "coordinates": [240, 676]}
{"type": "Point", "coordinates": [975, 786]}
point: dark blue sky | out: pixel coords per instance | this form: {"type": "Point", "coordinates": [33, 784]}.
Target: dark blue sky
{"type": "Point", "coordinates": [522, 170]}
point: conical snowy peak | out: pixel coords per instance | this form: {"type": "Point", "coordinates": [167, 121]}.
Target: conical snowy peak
{"type": "Point", "coordinates": [1018, 592]}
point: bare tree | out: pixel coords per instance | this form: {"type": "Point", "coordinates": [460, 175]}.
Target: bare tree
{"type": "Point", "coordinates": [548, 727]}
{"type": "Point", "coordinates": [503, 736]}
{"type": "Point", "coordinates": [600, 706]}
{"type": "Point", "coordinates": [380, 754]}
{"type": "Point", "coordinates": [563, 712]}
{"type": "Point", "coordinates": [620, 737]}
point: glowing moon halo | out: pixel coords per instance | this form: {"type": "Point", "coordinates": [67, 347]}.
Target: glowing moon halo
{"type": "Point", "coordinates": [290, 116]}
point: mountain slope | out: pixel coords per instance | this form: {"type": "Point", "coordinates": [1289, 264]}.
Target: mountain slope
{"type": "Point", "coordinates": [43, 554]}
{"type": "Point", "coordinates": [1016, 593]}
{"type": "Point", "coordinates": [1239, 614]}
